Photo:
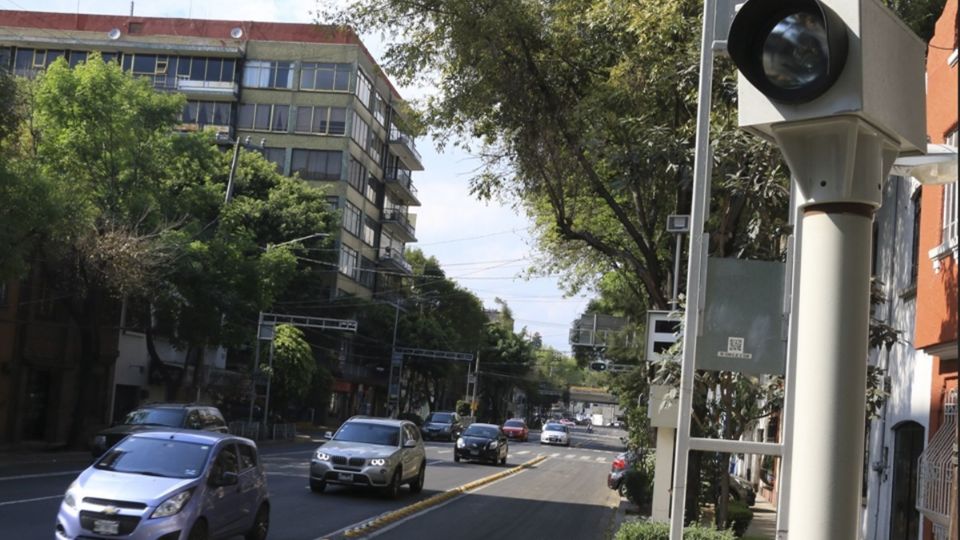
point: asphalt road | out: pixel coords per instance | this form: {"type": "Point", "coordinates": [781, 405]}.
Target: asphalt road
{"type": "Point", "coordinates": [564, 496]}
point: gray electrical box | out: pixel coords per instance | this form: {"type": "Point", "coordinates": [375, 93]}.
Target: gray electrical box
{"type": "Point", "coordinates": [743, 319]}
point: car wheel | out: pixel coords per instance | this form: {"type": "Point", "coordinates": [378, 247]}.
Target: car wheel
{"type": "Point", "coordinates": [317, 486]}
{"type": "Point", "coordinates": [199, 530]}
{"type": "Point", "coordinates": [622, 490]}
{"type": "Point", "coordinates": [417, 485]}
{"type": "Point", "coordinates": [261, 524]}
{"type": "Point", "coordinates": [392, 491]}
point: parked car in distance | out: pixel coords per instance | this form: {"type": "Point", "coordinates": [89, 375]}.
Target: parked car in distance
{"type": "Point", "coordinates": [516, 429]}
{"type": "Point", "coordinates": [170, 484]}
{"type": "Point", "coordinates": [567, 422]}
{"type": "Point", "coordinates": [482, 442]}
{"type": "Point", "coordinates": [159, 416]}
{"type": "Point", "coordinates": [442, 425]}
{"type": "Point", "coordinates": [742, 490]}
{"type": "Point", "coordinates": [555, 433]}
{"type": "Point", "coordinates": [371, 452]}
{"type": "Point", "coordinates": [618, 469]}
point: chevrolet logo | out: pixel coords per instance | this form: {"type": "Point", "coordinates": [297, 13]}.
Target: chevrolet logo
{"type": "Point", "coordinates": [110, 510]}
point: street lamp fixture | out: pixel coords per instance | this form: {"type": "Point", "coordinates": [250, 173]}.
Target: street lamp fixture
{"type": "Point", "coordinates": [939, 166]}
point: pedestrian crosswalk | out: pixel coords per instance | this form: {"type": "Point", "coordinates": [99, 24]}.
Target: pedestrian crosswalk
{"type": "Point", "coordinates": [527, 453]}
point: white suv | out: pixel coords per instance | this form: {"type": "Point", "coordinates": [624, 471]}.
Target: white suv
{"type": "Point", "coordinates": [371, 452]}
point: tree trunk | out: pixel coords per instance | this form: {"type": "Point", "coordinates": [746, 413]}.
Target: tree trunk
{"type": "Point", "coordinates": [86, 314]}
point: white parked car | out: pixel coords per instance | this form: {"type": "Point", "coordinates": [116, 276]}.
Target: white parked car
{"type": "Point", "coordinates": [555, 433]}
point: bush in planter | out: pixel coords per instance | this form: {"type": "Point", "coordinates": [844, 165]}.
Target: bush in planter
{"type": "Point", "coordinates": [413, 417]}
{"type": "Point", "coordinates": [739, 517]}
{"type": "Point", "coordinates": [648, 530]}
{"type": "Point", "coordinates": [639, 487]}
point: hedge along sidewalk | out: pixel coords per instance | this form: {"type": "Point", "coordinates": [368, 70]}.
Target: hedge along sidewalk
{"type": "Point", "coordinates": [393, 516]}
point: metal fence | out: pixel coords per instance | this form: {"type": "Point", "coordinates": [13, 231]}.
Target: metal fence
{"type": "Point", "coordinates": [936, 471]}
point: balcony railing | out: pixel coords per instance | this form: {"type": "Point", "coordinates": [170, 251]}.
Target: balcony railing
{"type": "Point", "coordinates": [402, 222]}
{"type": "Point", "coordinates": [228, 88]}
{"type": "Point", "coordinates": [402, 145]}
{"type": "Point", "coordinates": [394, 257]}
{"type": "Point", "coordinates": [936, 471]}
{"type": "Point", "coordinates": [400, 183]}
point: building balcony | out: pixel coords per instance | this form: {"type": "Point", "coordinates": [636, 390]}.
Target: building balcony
{"type": "Point", "coordinates": [191, 87]}
{"type": "Point", "coordinates": [402, 146]}
{"type": "Point", "coordinates": [400, 224]}
{"type": "Point", "coordinates": [400, 185]}
{"type": "Point", "coordinates": [393, 259]}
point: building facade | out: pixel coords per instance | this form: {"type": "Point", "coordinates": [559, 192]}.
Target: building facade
{"type": "Point", "coordinates": [310, 98]}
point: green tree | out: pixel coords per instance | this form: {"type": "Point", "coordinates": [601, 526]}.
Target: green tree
{"type": "Point", "coordinates": [293, 370]}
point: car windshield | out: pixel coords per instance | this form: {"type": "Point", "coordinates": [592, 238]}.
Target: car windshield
{"type": "Point", "coordinates": [440, 418]}
{"type": "Point", "coordinates": [556, 427]}
{"type": "Point", "coordinates": [481, 431]}
{"type": "Point", "coordinates": [156, 457]}
{"type": "Point", "coordinates": [363, 432]}
{"type": "Point", "coordinates": [513, 423]}
{"type": "Point", "coordinates": [159, 417]}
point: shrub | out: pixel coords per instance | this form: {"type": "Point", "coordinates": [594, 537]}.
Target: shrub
{"type": "Point", "coordinates": [639, 486]}
{"type": "Point", "coordinates": [463, 408]}
{"type": "Point", "coordinates": [413, 417]}
{"type": "Point", "coordinates": [648, 530]}
{"type": "Point", "coordinates": [739, 517]}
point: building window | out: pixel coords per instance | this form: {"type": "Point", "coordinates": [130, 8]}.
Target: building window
{"type": "Point", "coordinates": [316, 164]}
{"type": "Point", "coordinates": [356, 174]}
{"type": "Point", "coordinates": [266, 74]}
{"type": "Point", "coordinates": [77, 57]}
{"type": "Point", "coordinates": [6, 57]}
{"type": "Point", "coordinates": [368, 272]}
{"type": "Point", "coordinates": [263, 117]}
{"type": "Point", "coordinates": [360, 131]}
{"type": "Point", "coordinates": [321, 120]}
{"type": "Point", "coordinates": [317, 76]}
{"type": "Point", "coordinates": [915, 243]}
{"type": "Point", "coordinates": [369, 231]}
{"type": "Point", "coordinates": [372, 189]}
{"type": "Point", "coordinates": [351, 218]}
{"type": "Point", "coordinates": [204, 69]}
{"type": "Point", "coordinates": [277, 156]}
{"type": "Point", "coordinates": [364, 89]}
{"type": "Point", "coordinates": [949, 233]}
{"type": "Point", "coordinates": [206, 113]}
{"type": "Point", "coordinates": [349, 261]}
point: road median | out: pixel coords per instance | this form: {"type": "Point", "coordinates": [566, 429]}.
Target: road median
{"type": "Point", "coordinates": [395, 515]}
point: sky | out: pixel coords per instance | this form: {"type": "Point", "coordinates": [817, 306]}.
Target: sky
{"type": "Point", "coordinates": [483, 247]}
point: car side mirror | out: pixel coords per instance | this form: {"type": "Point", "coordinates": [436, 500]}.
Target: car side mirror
{"type": "Point", "coordinates": [327, 435]}
{"type": "Point", "coordinates": [410, 443]}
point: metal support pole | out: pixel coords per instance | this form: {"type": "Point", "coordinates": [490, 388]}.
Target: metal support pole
{"type": "Point", "coordinates": [394, 407]}
{"type": "Point", "coordinates": [256, 366]}
{"type": "Point", "coordinates": [675, 300]}
{"type": "Point", "coordinates": [266, 402]}
{"type": "Point", "coordinates": [233, 171]}
{"type": "Point", "coordinates": [701, 191]}
{"type": "Point", "coordinates": [474, 406]}
{"type": "Point", "coordinates": [831, 368]}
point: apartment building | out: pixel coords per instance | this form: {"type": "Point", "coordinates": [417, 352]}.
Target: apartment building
{"type": "Point", "coordinates": [310, 98]}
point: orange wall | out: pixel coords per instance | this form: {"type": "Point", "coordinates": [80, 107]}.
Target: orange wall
{"type": "Point", "coordinates": [937, 291]}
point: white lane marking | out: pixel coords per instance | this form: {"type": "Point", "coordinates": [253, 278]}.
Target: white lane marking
{"type": "Point", "coordinates": [39, 475]}
{"type": "Point", "coordinates": [601, 460]}
{"type": "Point", "coordinates": [584, 458]}
{"type": "Point", "coordinates": [35, 499]}
{"type": "Point", "coordinates": [570, 456]}
{"type": "Point", "coordinates": [523, 452]}
{"type": "Point", "coordinates": [555, 454]}
{"type": "Point", "coordinates": [444, 451]}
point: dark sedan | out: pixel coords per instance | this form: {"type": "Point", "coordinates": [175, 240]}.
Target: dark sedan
{"type": "Point", "coordinates": [482, 442]}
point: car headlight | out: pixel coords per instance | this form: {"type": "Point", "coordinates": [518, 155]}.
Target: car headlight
{"type": "Point", "coordinates": [172, 505]}
{"type": "Point", "coordinates": [378, 462]}
{"type": "Point", "coordinates": [70, 498]}
{"type": "Point", "coordinates": [493, 444]}
{"type": "Point", "coordinates": [320, 456]}
{"type": "Point", "coordinates": [460, 443]}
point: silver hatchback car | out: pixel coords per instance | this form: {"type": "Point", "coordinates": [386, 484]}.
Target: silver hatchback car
{"type": "Point", "coordinates": [169, 485]}
{"type": "Point", "coordinates": [371, 452]}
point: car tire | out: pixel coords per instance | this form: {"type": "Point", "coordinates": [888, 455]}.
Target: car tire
{"type": "Point", "coordinates": [261, 524]}
{"type": "Point", "coordinates": [199, 530]}
{"type": "Point", "coordinates": [622, 490]}
{"type": "Point", "coordinates": [417, 485]}
{"type": "Point", "coordinates": [317, 486]}
{"type": "Point", "coordinates": [392, 491]}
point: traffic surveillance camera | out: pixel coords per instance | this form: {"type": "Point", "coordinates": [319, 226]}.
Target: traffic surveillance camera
{"type": "Point", "coordinates": [792, 51]}
{"type": "Point", "coordinates": [838, 85]}
{"type": "Point", "coordinates": [802, 60]}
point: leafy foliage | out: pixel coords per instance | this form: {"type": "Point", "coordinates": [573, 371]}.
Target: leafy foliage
{"type": "Point", "coordinates": [649, 530]}
{"type": "Point", "coordinates": [293, 366]}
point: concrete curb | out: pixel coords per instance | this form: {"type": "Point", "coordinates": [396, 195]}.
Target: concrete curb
{"type": "Point", "coordinates": [396, 515]}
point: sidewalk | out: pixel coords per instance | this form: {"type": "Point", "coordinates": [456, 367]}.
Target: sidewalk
{"type": "Point", "coordinates": [764, 524]}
